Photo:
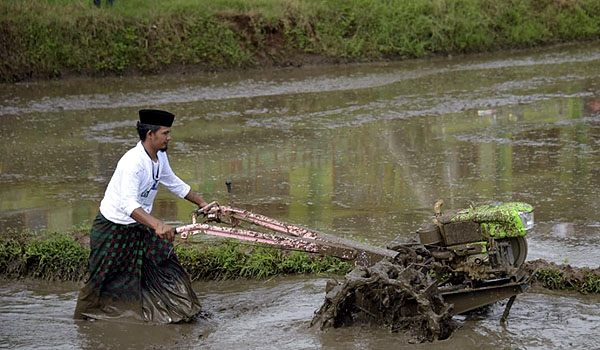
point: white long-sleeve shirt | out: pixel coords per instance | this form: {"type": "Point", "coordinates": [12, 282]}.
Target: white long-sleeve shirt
{"type": "Point", "coordinates": [135, 184]}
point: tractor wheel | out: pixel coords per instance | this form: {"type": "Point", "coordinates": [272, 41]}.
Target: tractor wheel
{"type": "Point", "coordinates": [519, 249]}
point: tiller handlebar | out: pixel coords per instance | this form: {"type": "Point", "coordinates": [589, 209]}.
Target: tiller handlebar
{"type": "Point", "coordinates": [224, 221]}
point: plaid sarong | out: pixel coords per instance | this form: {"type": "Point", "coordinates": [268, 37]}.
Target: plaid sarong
{"type": "Point", "coordinates": [134, 274]}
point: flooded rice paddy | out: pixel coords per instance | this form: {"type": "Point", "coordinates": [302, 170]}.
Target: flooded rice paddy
{"type": "Point", "coordinates": [359, 151]}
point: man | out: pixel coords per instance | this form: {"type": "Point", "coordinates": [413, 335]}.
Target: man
{"type": "Point", "coordinates": [133, 271]}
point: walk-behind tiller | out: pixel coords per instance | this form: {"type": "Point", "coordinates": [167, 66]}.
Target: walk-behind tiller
{"type": "Point", "coordinates": [475, 254]}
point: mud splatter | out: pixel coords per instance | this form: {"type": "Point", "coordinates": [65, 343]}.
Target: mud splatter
{"type": "Point", "coordinates": [405, 297]}
{"type": "Point", "coordinates": [391, 295]}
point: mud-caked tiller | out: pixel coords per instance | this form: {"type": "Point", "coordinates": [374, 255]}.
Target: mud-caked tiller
{"type": "Point", "coordinates": [476, 253]}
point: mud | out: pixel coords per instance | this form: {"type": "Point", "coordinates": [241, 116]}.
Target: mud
{"type": "Point", "coordinates": [551, 275]}
{"type": "Point", "coordinates": [406, 298]}
{"type": "Point", "coordinates": [390, 295]}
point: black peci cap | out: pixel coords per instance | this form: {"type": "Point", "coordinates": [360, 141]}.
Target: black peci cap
{"type": "Point", "coordinates": [156, 117]}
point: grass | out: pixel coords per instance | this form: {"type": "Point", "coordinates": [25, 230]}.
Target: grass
{"type": "Point", "coordinates": [230, 260]}
{"type": "Point", "coordinates": [59, 256]}
{"type": "Point", "coordinates": [49, 256]}
{"type": "Point", "coordinates": [588, 282]}
{"type": "Point", "coordinates": [50, 38]}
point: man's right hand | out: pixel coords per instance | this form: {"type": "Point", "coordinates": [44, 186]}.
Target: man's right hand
{"type": "Point", "coordinates": [162, 230]}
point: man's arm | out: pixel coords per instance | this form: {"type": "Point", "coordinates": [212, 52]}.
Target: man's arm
{"type": "Point", "coordinates": [195, 198]}
{"type": "Point", "coordinates": [162, 230]}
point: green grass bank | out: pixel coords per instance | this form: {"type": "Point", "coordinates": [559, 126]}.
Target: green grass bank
{"type": "Point", "coordinates": [43, 39]}
{"type": "Point", "coordinates": [64, 257]}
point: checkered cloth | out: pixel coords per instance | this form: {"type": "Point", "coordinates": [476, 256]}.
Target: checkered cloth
{"type": "Point", "coordinates": [134, 274]}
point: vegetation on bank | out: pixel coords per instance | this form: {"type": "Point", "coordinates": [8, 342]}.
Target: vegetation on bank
{"type": "Point", "coordinates": [52, 38]}
{"type": "Point", "coordinates": [565, 277]}
{"type": "Point", "coordinates": [64, 257]}
{"type": "Point", "coordinates": [61, 256]}
{"type": "Point", "coordinates": [228, 260]}
{"type": "Point", "coordinates": [556, 279]}
{"type": "Point", "coordinates": [48, 256]}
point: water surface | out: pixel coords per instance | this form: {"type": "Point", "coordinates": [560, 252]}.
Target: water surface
{"type": "Point", "coordinates": [359, 151]}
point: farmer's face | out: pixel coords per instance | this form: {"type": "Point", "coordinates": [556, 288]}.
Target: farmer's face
{"type": "Point", "coordinates": [159, 140]}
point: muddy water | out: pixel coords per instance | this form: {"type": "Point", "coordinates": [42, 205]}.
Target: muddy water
{"type": "Point", "coordinates": [360, 151]}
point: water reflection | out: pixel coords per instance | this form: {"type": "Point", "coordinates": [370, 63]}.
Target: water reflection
{"type": "Point", "coordinates": [362, 151]}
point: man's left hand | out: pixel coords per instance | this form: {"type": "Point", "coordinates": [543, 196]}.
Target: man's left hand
{"type": "Point", "coordinates": [165, 231]}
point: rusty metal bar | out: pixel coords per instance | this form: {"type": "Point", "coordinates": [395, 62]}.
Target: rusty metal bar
{"type": "Point", "coordinates": [296, 243]}
{"type": "Point", "coordinates": [294, 230]}
{"type": "Point", "coordinates": [270, 223]}
{"type": "Point", "coordinates": [288, 237]}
